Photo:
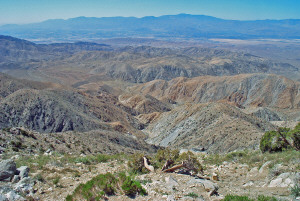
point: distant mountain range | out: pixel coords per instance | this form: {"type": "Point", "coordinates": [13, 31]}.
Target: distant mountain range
{"type": "Point", "coordinates": [167, 26]}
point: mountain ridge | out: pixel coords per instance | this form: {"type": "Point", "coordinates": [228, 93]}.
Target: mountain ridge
{"type": "Point", "coordinates": [166, 26]}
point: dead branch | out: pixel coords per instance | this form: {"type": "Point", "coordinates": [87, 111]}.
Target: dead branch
{"type": "Point", "coordinates": [176, 167]}
{"type": "Point", "coordinates": [286, 141]}
{"type": "Point", "coordinates": [167, 164]}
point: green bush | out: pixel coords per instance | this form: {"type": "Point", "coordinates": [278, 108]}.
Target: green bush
{"type": "Point", "coordinates": [106, 184]}
{"type": "Point", "coordinates": [163, 155]}
{"type": "Point", "coordinates": [132, 187]}
{"type": "Point", "coordinates": [272, 142]}
{"type": "Point", "coordinates": [282, 139]}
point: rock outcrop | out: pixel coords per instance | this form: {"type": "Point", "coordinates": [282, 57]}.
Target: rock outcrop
{"type": "Point", "coordinates": [20, 186]}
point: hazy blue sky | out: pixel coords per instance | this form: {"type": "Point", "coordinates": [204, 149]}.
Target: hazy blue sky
{"type": "Point", "coordinates": [25, 11]}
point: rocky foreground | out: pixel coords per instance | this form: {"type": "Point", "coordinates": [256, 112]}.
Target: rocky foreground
{"type": "Point", "coordinates": [54, 177]}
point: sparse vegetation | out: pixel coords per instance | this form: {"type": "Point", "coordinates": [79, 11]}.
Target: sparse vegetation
{"type": "Point", "coordinates": [192, 195]}
{"type": "Point", "coordinates": [295, 191]}
{"type": "Point", "coordinates": [56, 180]}
{"type": "Point", "coordinates": [246, 198]}
{"type": "Point", "coordinates": [251, 158]}
{"type": "Point", "coordinates": [39, 177]}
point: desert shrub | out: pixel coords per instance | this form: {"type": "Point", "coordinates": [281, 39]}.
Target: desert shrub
{"type": "Point", "coordinates": [107, 184]}
{"type": "Point", "coordinates": [132, 187]}
{"type": "Point", "coordinates": [136, 164]}
{"type": "Point", "coordinates": [163, 155]}
{"type": "Point", "coordinates": [191, 161]}
{"type": "Point", "coordinates": [295, 136]}
{"type": "Point", "coordinates": [56, 180]}
{"type": "Point", "coordinates": [272, 142]}
{"type": "Point", "coordinates": [16, 144]}
{"type": "Point", "coordinates": [282, 139]}
{"type": "Point", "coordinates": [295, 191]}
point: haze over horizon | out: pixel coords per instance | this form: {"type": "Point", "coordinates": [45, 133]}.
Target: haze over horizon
{"type": "Point", "coordinates": [31, 11]}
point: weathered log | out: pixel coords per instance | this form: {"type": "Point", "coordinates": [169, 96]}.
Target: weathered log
{"type": "Point", "coordinates": [149, 167]}
{"type": "Point", "coordinates": [176, 167]}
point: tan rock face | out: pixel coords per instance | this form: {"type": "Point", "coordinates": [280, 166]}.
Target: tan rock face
{"type": "Point", "coordinates": [241, 90]}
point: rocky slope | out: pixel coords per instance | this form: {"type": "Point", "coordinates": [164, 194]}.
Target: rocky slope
{"type": "Point", "coordinates": [240, 90]}
{"type": "Point", "coordinates": [211, 127]}
{"type": "Point", "coordinates": [59, 109]}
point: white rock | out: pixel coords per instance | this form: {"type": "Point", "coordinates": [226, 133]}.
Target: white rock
{"type": "Point", "coordinates": [170, 198]}
{"type": "Point", "coordinates": [275, 182]}
{"type": "Point", "coordinates": [264, 166]}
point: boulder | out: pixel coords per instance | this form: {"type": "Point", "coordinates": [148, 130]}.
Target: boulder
{"type": "Point", "coordinates": [7, 170]}
{"type": "Point", "coordinates": [285, 180]}
{"type": "Point", "coordinates": [24, 171]}
{"type": "Point", "coordinates": [208, 185]}
{"type": "Point", "coordinates": [25, 185]}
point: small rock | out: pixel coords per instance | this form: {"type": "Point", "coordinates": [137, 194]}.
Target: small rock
{"type": "Point", "coordinates": [170, 198]}
{"type": "Point", "coordinates": [15, 157]}
{"type": "Point", "coordinates": [48, 151]}
{"type": "Point", "coordinates": [12, 196]}
{"type": "Point", "coordinates": [250, 183]}
{"type": "Point", "coordinates": [170, 182]}
{"type": "Point", "coordinates": [7, 170]}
